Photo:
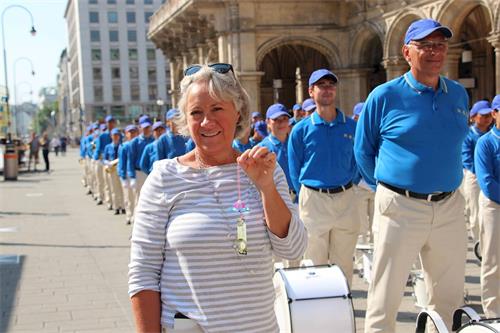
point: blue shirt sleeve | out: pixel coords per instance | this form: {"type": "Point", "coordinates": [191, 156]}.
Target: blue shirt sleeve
{"type": "Point", "coordinates": [366, 140]}
{"type": "Point", "coordinates": [106, 154]}
{"type": "Point", "coordinates": [485, 160]}
{"type": "Point", "coordinates": [122, 161]}
{"type": "Point", "coordinates": [468, 153]}
{"type": "Point", "coordinates": [98, 148]}
{"type": "Point", "coordinates": [295, 157]}
{"type": "Point", "coordinates": [131, 155]}
{"type": "Point", "coordinates": [145, 161]}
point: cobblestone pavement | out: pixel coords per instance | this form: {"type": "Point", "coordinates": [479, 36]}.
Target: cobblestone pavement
{"type": "Point", "coordinates": [63, 260]}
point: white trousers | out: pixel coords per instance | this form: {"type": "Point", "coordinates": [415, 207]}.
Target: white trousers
{"type": "Point", "coordinates": [471, 193]}
{"type": "Point", "coordinates": [332, 227]}
{"type": "Point", "coordinates": [129, 200]}
{"type": "Point", "coordinates": [407, 227]}
{"type": "Point", "coordinates": [365, 199]}
{"type": "Point", "coordinates": [489, 238]}
{"type": "Point", "coordinates": [115, 188]}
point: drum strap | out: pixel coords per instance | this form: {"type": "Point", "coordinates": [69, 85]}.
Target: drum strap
{"type": "Point", "coordinates": [457, 316]}
{"type": "Point", "coordinates": [436, 319]}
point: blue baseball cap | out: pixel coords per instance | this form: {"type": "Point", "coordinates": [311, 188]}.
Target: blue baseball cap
{"type": "Point", "coordinates": [103, 127]}
{"type": "Point", "coordinates": [256, 114]}
{"type": "Point", "coordinates": [356, 111]}
{"type": "Point", "coordinates": [495, 104]}
{"type": "Point", "coordinates": [423, 28]}
{"type": "Point", "coordinates": [145, 118]}
{"type": "Point", "coordinates": [145, 123]}
{"type": "Point", "coordinates": [109, 118]}
{"type": "Point", "coordinates": [276, 110]}
{"type": "Point", "coordinates": [308, 105]}
{"type": "Point", "coordinates": [297, 107]}
{"type": "Point", "coordinates": [171, 114]}
{"type": "Point", "coordinates": [484, 111]}
{"type": "Point", "coordinates": [261, 128]}
{"type": "Point", "coordinates": [321, 73]}
{"type": "Point", "coordinates": [130, 128]}
{"type": "Point", "coordinates": [158, 124]}
{"type": "Point", "coordinates": [479, 105]}
{"type": "Point", "coordinates": [115, 131]}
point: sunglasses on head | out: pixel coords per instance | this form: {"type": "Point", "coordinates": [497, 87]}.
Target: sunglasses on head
{"type": "Point", "coordinates": [218, 67]}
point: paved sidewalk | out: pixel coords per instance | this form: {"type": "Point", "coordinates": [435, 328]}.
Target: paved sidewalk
{"type": "Point", "coordinates": [63, 260]}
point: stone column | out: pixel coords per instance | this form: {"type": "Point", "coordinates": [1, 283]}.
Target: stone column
{"type": "Point", "coordinates": [494, 40]}
{"type": "Point", "coordinates": [452, 62]}
{"type": "Point", "coordinates": [251, 82]}
{"type": "Point", "coordinates": [202, 53]}
{"type": "Point", "coordinates": [395, 66]}
{"type": "Point", "coordinates": [222, 48]}
{"type": "Point", "coordinates": [175, 63]}
{"type": "Point", "coordinates": [352, 87]}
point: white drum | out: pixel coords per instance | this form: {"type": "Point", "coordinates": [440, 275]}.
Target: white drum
{"type": "Point", "coordinates": [313, 299]}
{"type": "Point", "coordinates": [474, 323]}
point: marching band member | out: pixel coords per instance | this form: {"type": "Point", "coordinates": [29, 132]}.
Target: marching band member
{"type": "Point", "coordinates": [149, 153]}
{"type": "Point", "coordinates": [102, 140]}
{"type": "Point", "coordinates": [131, 132]}
{"type": "Point", "coordinates": [487, 167]}
{"type": "Point", "coordinates": [110, 158]}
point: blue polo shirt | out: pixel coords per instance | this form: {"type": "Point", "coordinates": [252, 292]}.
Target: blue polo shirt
{"type": "Point", "coordinates": [102, 140]}
{"type": "Point", "coordinates": [487, 164]}
{"type": "Point", "coordinates": [468, 147]}
{"type": "Point", "coordinates": [83, 147]}
{"type": "Point", "coordinates": [136, 148]}
{"type": "Point", "coordinates": [88, 144]}
{"type": "Point", "coordinates": [169, 146]}
{"type": "Point", "coordinates": [281, 150]}
{"type": "Point", "coordinates": [122, 159]}
{"type": "Point", "coordinates": [320, 154]}
{"type": "Point", "coordinates": [242, 147]}
{"type": "Point", "coordinates": [148, 157]}
{"type": "Point", "coordinates": [111, 152]}
{"type": "Point", "coordinates": [415, 133]}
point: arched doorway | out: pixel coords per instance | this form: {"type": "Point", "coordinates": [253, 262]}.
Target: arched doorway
{"type": "Point", "coordinates": [286, 71]}
{"type": "Point", "coordinates": [373, 54]}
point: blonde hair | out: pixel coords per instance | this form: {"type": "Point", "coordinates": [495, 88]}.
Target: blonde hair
{"type": "Point", "coordinates": [222, 87]}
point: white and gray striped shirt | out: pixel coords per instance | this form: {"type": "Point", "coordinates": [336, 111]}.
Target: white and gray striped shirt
{"type": "Point", "coordinates": [183, 246]}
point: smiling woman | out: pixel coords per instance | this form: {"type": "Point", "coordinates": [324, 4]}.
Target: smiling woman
{"type": "Point", "coordinates": [209, 222]}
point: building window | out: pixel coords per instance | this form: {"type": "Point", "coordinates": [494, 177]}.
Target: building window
{"type": "Point", "coordinates": [132, 54]}
{"type": "Point", "coordinates": [152, 74]}
{"type": "Point", "coordinates": [114, 54]}
{"type": "Point", "coordinates": [147, 15]}
{"type": "Point", "coordinates": [117, 93]}
{"type": "Point", "coordinates": [92, 2]}
{"type": "Point", "coordinates": [94, 17]}
{"type": "Point", "coordinates": [97, 73]}
{"type": "Point", "coordinates": [130, 2]}
{"type": "Point", "coordinates": [115, 73]}
{"type": "Point", "coordinates": [118, 111]}
{"type": "Point", "coordinates": [99, 112]}
{"type": "Point", "coordinates": [95, 36]}
{"type": "Point", "coordinates": [112, 17]}
{"type": "Point", "coordinates": [130, 17]}
{"type": "Point", "coordinates": [113, 35]}
{"type": "Point", "coordinates": [111, 2]}
{"type": "Point", "coordinates": [152, 91]}
{"type": "Point", "coordinates": [96, 55]}
{"type": "Point", "coordinates": [98, 93]}
{"type": "Point", "coordinates": [135, 92]}
{"type": "Point", "coordinates": [148, 2]}
{"type": "Point", "coordinates": [132, 36]}
{"type": "Point", "coordinates": [151, 54]}
{"type": "Point", "coordinates": [134, 72]}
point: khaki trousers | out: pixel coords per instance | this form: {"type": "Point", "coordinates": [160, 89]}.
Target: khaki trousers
{"type": "Point", "coordinates": [93, 178]}
{"type": "Point", "coordinates": [489, 238]}
{"type": "Point", "coordinates": [471, 193]}
{"type": "Point", "coordinates": [115, 188]}
{"type": "Point", "coordinates": [87, 173]}
{"type": "Point", "coordinates": [99, 180]}
{"type": "Point", "coordinates": [407, 227]}
{"type": "Point", "coordinates": [107, 189]}
{"type": "Point", "coordinates": [365, 199]}
{"type": "Point", "coordinates": [129, 200]}
{"type": "Point", "coordinates": [332, 227]}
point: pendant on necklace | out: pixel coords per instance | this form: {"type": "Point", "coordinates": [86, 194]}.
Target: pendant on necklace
{"type": "Point", "coordinates": [241, 236]}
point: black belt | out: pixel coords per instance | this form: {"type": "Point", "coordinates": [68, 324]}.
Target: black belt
{"type": "Point", "coordinates": [410, 194]}
{"type": "Point", "coordinates": [331, 190]}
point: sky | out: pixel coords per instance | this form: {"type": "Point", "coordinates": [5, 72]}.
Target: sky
{"type": "Point", "coordinates": [43, 50]}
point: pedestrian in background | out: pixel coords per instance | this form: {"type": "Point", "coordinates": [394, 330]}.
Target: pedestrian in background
{"type": "Point", "coordinates": [487, 167]}
{"type": "Point", "coordinates": [409, 141]}
{"type": "Point", "coordinates": [45, 144]}
{"type": "Point", "coordinates": [212, 264]}
{"type": "Point", "coordinates": [34, 149]}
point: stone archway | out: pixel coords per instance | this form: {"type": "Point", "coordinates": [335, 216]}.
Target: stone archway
{"type": "Point", "coordinates": [292, 64]}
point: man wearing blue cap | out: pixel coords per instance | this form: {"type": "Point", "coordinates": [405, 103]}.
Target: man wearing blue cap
{"type": "Point", "coordinates": [110, 160]}
{"type": "Point", "coordinates": [170, 144]}
{"type": "Point", "coordinates": [308, 106]}
{"type": "Point", "coordinates": [277, 141]}
{"type": "Point", "coordinates": [137, 145]}
{"type": "Point", "coordinates": [481, 116]}
{"type": "Point", "coordinates": [259, 132]}
{"type": "Point", "coordinates": [298, 114]}
{"type": "Point", "coordinates": [322, 170]}
{"type": "Point", "coordinates": [408, 146]}
{"type": "Point", "coordinates": [487, 167]}
{"type": "Point", "coordinates": [356, 111]}
{"type": "Point", "coordinates": [103, 191]}
{"type": "Point", "coordinates": [131, 132]}
{"type": "Point", "coordinates": [149, 153]}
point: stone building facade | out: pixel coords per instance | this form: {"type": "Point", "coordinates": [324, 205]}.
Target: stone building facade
{"type": "Point", "coordinates": [275, 45]}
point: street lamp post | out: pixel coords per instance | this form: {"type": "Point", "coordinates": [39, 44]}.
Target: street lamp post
{"type": "Point", "coordinates": [15, 87]}
{"type": "Point", "coordinates": [33, 32]}
{"type": "Point", "coordinates": [160, 102]}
